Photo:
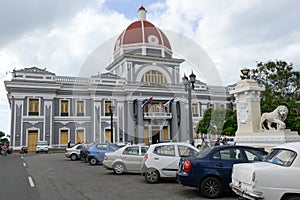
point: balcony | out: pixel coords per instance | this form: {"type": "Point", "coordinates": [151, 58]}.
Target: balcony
{"type": "Point", "coordinates": [157, 115]}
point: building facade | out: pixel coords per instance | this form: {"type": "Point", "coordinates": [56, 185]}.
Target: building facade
{"type": "Point", "coordinates": [143, 85]}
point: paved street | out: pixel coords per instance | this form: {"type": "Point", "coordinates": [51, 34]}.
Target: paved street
{"type": "Point", "coordinates": [56, 177]}
{"type": "Point", "coordinates": [14, 183]}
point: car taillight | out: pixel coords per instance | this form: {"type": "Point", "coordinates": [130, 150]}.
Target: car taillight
{"type": "Point", "coordinates": [146, 157]}
{"type": "Point", "coordinates": [187, 166]}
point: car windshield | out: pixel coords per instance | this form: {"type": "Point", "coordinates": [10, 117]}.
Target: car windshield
{"type": "Point", "coordinates": [203, 152]}
{"type": "Point", "coordinates": [283, 157]}
{"type": "Point", "coordinates": [114, 147]}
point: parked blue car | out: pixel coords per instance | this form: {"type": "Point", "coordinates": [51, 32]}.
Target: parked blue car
{"type": "Point", "coordinates": [211, 170]}
{"type": "Point", "coordinates": [97, 151]}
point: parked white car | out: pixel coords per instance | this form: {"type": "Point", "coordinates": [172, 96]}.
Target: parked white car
{"type": "Point", "coordinates": [278, 177]}
{"type": "Point", "coordinates": [162, 160]}
{"type": "Point", "coordinates": [74, 152]}
{"type": "Point", "coordinates": [42, 146]}
{"type": "Point", "coordinates": [125, 159]}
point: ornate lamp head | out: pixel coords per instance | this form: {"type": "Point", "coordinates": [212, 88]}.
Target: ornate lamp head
{"type": "Point", "coordinates": [245, 71]}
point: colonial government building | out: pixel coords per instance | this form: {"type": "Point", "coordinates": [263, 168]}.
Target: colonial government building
{"type": "Point", "coordinates": [141, 97]}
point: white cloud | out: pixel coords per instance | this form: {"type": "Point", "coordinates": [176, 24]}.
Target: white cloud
{"type": "Point", "coordinates": [236, 34]}
{"type": "Point", "coordinates": [64, 47]}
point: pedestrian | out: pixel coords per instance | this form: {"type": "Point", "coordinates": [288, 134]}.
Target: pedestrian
{"type": "Point", "coordinates": [4, 150]}
{"type": "Point", "coordinates": [217, 143]}
{"type": "Point", "coordinates": [224, 141]}
{"type": "Point", "coordinates": [204, 144]}
{"type": "Point", "coordinates": [69, 144]}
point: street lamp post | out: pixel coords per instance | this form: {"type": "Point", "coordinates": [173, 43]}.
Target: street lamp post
{"type": "Point", "coordinates": [111, 111]}
{"type": "Point", "coordinates": [189, 86]}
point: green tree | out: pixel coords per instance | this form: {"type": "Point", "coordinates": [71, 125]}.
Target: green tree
{"type": "Point", "coordinates": [280, 81]}
{"type": "Point", "coordinates": [218, 121]}
{"type": "Point", "coordinates": [2, 134]}
{"type": "Point", "coordinates": [3, 140]}
{"type": "Point", "coordinates": [282, 87]}
{"type": "Point", "coordinates": [203, 125]}
{"type": "Point", "coordinates": [230, 125]}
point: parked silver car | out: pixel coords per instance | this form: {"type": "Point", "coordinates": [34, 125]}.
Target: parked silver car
{"type": "Point", "coordinates": [74, 151]}
{"type": "Point", "coordinates": [125, 159]}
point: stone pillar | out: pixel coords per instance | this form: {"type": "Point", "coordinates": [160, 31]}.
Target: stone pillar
{"type": "Point", "coordinates": [247, 97]}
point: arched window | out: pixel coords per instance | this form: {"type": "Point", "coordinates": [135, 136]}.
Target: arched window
{"type": "Point", "coordinates": [154, 76]}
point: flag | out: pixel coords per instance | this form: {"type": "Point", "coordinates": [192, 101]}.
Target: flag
{"type": "Point", "coordinates": [169, 103]}
{"type": "Point", "coordinates": [148, 101]}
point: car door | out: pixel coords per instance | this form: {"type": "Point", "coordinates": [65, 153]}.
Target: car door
{"type": "Point", "coordinates": [166, 160]}
{"type": "Point", "coordinates": [132, 158]}
{"type": "Point", "coordinates": [101, 150]}
{"type": "Point", "coordinates": [222, 161]}
{"type": "Point", "coordinates": [77, 149]}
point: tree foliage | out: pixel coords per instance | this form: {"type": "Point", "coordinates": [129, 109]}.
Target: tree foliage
{"type": "Point", "coordinates": [2, 134]}
{"type": "Point", "coordinates": [218, 121]}
{"type": "Point", "coordinates": [203, 125]}
{"type": "Point", "coordinates": [280, 81]}
{"type": "Point", "coordinates": [230, 125]}
{"type": "Point", "coordinates": [282, 87]}
{"type": "Point", "coordinates": [3, 140]}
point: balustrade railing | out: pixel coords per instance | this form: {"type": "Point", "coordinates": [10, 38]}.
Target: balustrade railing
{"type": "Point", "coordinates": [153, 115]}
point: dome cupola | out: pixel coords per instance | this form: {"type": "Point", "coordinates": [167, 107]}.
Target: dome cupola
{"type": "Point", "coordinates": [142, 37]}
{"type": "Point", "coordinates": [142, 13]}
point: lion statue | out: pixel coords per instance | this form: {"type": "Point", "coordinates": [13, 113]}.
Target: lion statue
{"type": "Point", "coordinates": [277, 117]}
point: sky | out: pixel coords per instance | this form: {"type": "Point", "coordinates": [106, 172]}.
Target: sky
{"type": "Point", "coordinates": [61, 34]}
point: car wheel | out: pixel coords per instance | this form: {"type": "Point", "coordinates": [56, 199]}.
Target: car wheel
{"type": "Point", "coordinates": [152, 176]}
{"type": "Point", "coordinates": [93, 161]}
{"type": "Point", "coordinates": [119, 168]}
{"type": "Point", "coordinates": [73, 157]}
{"type": "Point", "coordinates": [211, 187]}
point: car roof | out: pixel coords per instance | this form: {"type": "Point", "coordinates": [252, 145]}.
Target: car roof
{"type": "Point", "coordinates": [105, 143]}
{"type": "Point", "coordinates": [134, 145]}
{"type": "Point", "coordinates": [169, 143]}
{"type": "Point", "coordinates": [172, 143]}
{"type": "Point", "coordinates": [236, 146]}
{"type": "Point", "coordinates": [124, 147]}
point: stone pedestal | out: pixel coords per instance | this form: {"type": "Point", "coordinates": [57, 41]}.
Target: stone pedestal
{"type": "Point", "coordinates": [247, 95]}
{"type": "Point", "coordinates": [267, 139]}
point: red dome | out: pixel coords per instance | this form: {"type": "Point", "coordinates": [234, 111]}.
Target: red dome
{"type": "Point", "coordinates": [142, 32]}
